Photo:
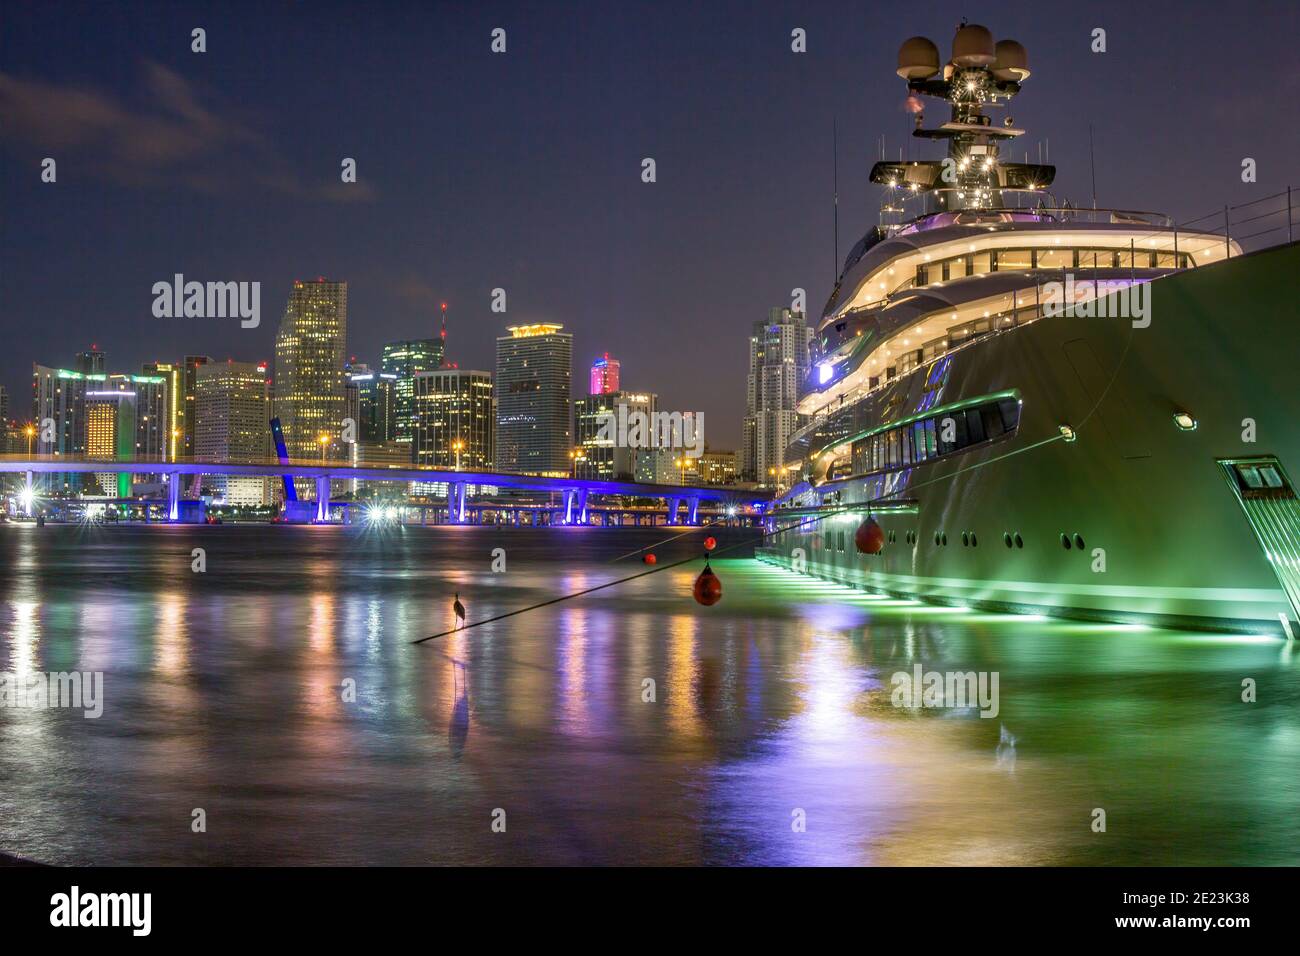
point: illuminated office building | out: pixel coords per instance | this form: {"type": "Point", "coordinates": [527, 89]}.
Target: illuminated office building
{"type": "Point", "coordinates": [233, 401]}
{"type": "Point", "coordinates": [403, 361]}
{"type": "Point", "coordinates": [778, 364]}
{"type": "Point", "coordinates": [604, 375]}
{"type": "Point", "coordinates": [534, 431]}
{"type": "Point", "coordinates": [372, 404]}
{"type": "Point", "coordinates": [452, 420]}
{"type": "Point", "coordinates": [309, 396]}
{"type": "Point", "coordinates": [185, 407]}
{"type": "Point", "coordinates": [607, 451]}
{"type": "Point", "coordinates": [172, 425]}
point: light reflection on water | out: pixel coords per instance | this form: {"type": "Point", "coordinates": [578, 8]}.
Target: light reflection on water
{"type": "Point", "coordinates": [226, 691]}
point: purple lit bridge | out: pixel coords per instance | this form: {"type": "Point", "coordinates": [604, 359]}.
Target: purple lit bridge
{"type": "Point", "coordinates": [576, 493]}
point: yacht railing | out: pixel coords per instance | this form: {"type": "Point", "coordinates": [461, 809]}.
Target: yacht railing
{"type": "Point", "coordinates": [1279, 222]}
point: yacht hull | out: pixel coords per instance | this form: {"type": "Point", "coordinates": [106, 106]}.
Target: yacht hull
{"type": "Point", "coordinates": [1166, 537]}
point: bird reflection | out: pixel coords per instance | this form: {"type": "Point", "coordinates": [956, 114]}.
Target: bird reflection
{"type": "Point", "coordinates": [458, 728]}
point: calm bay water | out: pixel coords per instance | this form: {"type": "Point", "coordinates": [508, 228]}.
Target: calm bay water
{"type": "Point", "coordinates": [224, 691]}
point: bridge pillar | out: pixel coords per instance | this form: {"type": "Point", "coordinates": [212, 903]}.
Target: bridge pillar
{"type": "Point", "coordinates": [31, 496]}
{"type": "Point", "coordinates": [693, 510]}
{"type": "Point", "coordinates": [323, 498]}
{"type": "Point", "coordinates": [581, 507]}
{"type": "Point", "coordinates": [456, 502]}
{"type": "Point", "coordinates": [174, 496]}
{"type": "Point", "coordinates": [673, 505]}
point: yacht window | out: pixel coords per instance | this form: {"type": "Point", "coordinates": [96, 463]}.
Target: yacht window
{"type": "Point", "coordinates": [934, 347]}
{"type": "Point", "coordinates": [1055, 258]}
{"type": "Point", "coordinates": [1014, 260]}
{"type": "Point", "coordinates": [1097, 259]}
{"type": "Point", "coordinates": [1009, 409]}
{"type": "Point", "coordinates": [958, 267]}
{"type": "Point", "coordinates": [923, 440]}
{"type": "Point", "coordinates": [981, 263]}
{"type": "Point", "coordinates": [1136, 259]}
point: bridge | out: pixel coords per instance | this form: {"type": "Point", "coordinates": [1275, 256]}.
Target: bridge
{"type": "Point", "coordinates": [576, 492]}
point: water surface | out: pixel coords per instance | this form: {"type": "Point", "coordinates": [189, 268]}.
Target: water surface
{"type": "Point", "coordinates": [224, 691]}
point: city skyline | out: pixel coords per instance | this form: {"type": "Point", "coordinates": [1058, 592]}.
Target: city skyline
{"type": "Point", "coordinates": [438, 213]}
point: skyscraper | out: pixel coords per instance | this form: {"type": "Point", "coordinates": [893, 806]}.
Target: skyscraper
{"type": "Point", "coordinates": [534, 414]}
{"type": "Point", "coordinates": [372, 404]}
{"type": "Point", "coordinates": [59, 402]}
{"type": "Point", "coordinates": [453, 424]}
{"type": "Point", "coordinates": [605, 449]}
{"type": "Point", "coordinates": [233, 400]}
{"type": "Point", "coordinates": [404, 360]}
{"type": "Point", "coordinates": [147, 397]}
{"type": "Point", "coordinates": [125, 420]}
{"type": "Point", "coordinates": [91, 361]}
{"type": "Point", "coordinates": [604, 375]}
{"type": "Point", "coordinates": [185, 407]}
{"type": "Point", "coordinates": [717, 467]}
{"type": "Point", "coordinates": [172, 426]}
{"type": "Point", "coordinates": [778, 364]}
{"type": "Point", "coordinates": [309, 354]}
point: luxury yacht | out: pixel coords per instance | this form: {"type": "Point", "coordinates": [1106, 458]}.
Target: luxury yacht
{"type": "Point", "coordinates": [1045, 408]}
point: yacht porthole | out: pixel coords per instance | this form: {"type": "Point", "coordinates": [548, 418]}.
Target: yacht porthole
{"type": "Point", "coordinates": [944, 538]}
{"type": "Point", "coordinates": [1006, 538]}
{"type": "Point", "coordinates": [965, 539]}
{"type": "Point", "coordinates": [1065, 541]}
{"type": "Point", "coordinates": [1078, 541]}
{"type": "Point", "coordinates": [974, 541]}
{"type": "Point", "coordinates": [1020, 542]}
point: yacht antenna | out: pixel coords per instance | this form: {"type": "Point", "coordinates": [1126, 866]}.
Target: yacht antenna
{"type": "Point", "coordinates": [835, 188]}
{"type": "Point", "coordinates": [1092, 160]}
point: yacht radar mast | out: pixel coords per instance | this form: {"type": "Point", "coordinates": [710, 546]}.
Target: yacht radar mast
{"type": "Point", "coordinates": [980, 75]}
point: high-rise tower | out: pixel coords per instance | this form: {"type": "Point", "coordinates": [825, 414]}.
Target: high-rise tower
{"type": "Point", "coordinates": [778, 363]}
{"type": "Point", "coordinates": [309, 354]}
{"type": "Point", "coordinates": [534, 414]}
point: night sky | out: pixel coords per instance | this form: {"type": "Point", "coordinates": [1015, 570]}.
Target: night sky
{"type": "Point", "coordinates": [523, 171]}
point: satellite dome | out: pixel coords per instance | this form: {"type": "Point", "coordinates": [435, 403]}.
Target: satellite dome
{"type": "Point", "coordinates": [918, 59]}
{"type": "Point", "coordinates": [973, 46]}
{"type": "Point", "coordinates": [1012, 61]}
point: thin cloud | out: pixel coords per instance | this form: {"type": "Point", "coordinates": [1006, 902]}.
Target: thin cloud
{"type": "Point", "coordinates": [170, 138]}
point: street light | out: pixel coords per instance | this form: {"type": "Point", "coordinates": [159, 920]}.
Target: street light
{"type": "Point", "coordinates": [324, 439]}
{"type": "Point", "coordinates": [576, 455]}
{"type": "Point", "coordinates": [30, 432]}
{"type": "Point", "coordinates": [456, 446]}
